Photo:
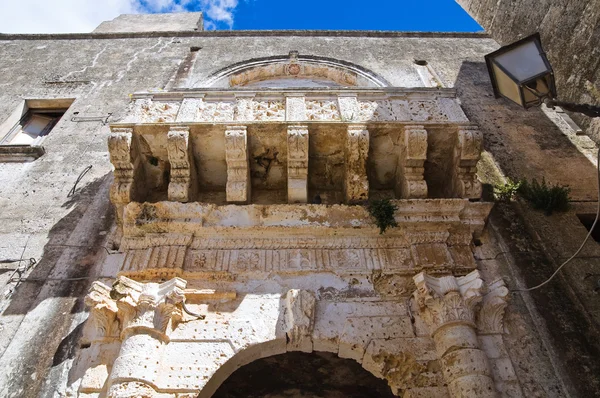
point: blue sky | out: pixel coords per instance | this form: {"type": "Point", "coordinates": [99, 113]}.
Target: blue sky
{"type": "Point", "coordinates": [46, 16]}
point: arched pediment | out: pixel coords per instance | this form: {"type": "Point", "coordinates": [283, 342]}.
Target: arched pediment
{"type": "Point", "coordinates": [295, 71]}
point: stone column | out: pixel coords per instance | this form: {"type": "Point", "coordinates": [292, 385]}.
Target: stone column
{"type": "Point", "coordinates": [147, 312]}
{"type": "Point", "coordinates": [356, 151]}
{"type": "Point", "coordinates": [297, 163]}
{"type": "Point", "coordinates": [448, 304]}
{"type": "Point", "coordinates": [238, 168]}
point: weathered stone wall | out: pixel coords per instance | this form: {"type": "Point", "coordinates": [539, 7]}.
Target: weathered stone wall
{"type": "Point", "coordinates": [570, 33]}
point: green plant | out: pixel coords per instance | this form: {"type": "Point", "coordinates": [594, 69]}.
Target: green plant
{"type": "Point", "coordinates": [507, 192]}
{"type": "Point", "coordinates": [548, 198]}
{"type": "Point", "coordinates": [383, 212]}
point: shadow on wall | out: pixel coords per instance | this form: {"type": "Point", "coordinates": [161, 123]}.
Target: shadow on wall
{"type": "Point", "coordinates": [524, 143]}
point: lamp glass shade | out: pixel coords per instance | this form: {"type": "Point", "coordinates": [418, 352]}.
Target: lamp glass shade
{"type": "Point", "coordinates": [521, 72]}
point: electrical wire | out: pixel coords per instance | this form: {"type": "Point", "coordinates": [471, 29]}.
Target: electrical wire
{"type": "Point", "coordinates": [72, 191]}
{"type": "Point", "coordinates": [584, 241]}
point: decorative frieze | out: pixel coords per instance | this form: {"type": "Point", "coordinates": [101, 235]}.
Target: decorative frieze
{"type": "Point", "coordinates": [182, 186]}
{"type": "Point", "coordinates": [356, 151]}
{"type": "Point", "coordinates": [468, 153]}
{"type": "Point", "coordinates": [410, 182]}
{"type": "Point", "coordinates": [238, 169]}
{"type": "Point", "coordinates": [297, 167]}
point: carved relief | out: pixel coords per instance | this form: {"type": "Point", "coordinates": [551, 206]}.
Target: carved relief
{"type": "Point", "coordinates": [238, 170]}
{"type": "Point", "coordinates": [297, 168]}
{"type": "Point", "coordinates": [182, 183]}
{"type": "Point", "coordinates": [295, 108]}
{"type": "Point", "coordinates": [119, 148]}
{"type": "Point", "coordinates": [356, 150]}
{"type": "Point", "coordinates": [410, 182]}
{"type": "Point", "coordinates": [467, 155]}
{"type": "Point", "coordinates": [322, 110]}
{"type": "Point", "coordinates": [103, 312]}
{"type": "Point", "coordinates": [215, 111]}
{"type": "Point", "coordinates": [298, 319]}
{"type": "Point", "coordinates": [448, 299]}
{"type": "Point", "coordinates": [491, 316]}
{"type": "Point", "coordinates": [268, 110]}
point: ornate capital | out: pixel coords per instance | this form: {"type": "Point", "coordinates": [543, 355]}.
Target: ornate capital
{"type": "Point", "coordinates": [491, 315]}
{"type": "Point", "coordinates": [448, 300]}
{"type": "Point", "coordinates": [131, 305]}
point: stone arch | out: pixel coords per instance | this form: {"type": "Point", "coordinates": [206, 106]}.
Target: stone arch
{"type": "Point", "coordinates": [295, 71]}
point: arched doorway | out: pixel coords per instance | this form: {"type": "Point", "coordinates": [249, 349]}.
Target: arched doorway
{"type": "Point", "coordinates": [302, 375]}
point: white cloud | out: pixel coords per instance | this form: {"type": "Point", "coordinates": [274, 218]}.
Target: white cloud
{"type": "Point", "coordinates": [64, 16]}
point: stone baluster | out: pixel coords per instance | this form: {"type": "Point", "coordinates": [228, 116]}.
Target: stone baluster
{"type": "Point", "coordinates": [147, 311]}
{"type": "Point", "coordinates": [410, 182]}
{"type": "Point", "coordinates": [448, 306]}
{"type": "Point", "coordinates": [182, 186]}
{"type": "Point", "coordinates": [468, 153]}
{"type": "Point", "coordinates": [297, 163]}
{"type": "Point", "coordinates": [238, 168]}
{"type": "Point", "coordinates": [356, 151]}
{"type": "Point", "coordinates": [127, 168]}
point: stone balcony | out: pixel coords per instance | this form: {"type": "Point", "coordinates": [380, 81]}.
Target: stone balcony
{"type": "Point", "coordinates": [291, 146]}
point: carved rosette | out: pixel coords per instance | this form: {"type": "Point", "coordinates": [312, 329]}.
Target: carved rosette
{"type": "Point", "coordinates": [491, 315]}
{"type": "Point", "coordinates": [297, 168]}
{"type": "Point", "coordinates": [448, 300]}
{"type": "Point", "coordinates": [410, 175]}
{"type": "Point", "coordinates": [119, 148]}
{"type": "Point", "coordinates": [181, 186]}
{"type": "Point", "coordinates": [356, 184]}
{"type": "Point", "coordinates": [298, 319]}
{"type": "Point", "coordinates": [238, 170]}
{"type": "Point", "coordinates": [468, 154]}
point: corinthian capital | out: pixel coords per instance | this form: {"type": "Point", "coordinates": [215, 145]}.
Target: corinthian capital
{"type": "Point", "coordinates": [448, 300]}
{"type": "Point", "coordinates": [491, 315]}
{"type": "Point", "coordinates": [103, 311]}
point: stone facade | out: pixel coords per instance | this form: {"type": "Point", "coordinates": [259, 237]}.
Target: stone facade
{"type": "Point", "coordinates": [226, 219]}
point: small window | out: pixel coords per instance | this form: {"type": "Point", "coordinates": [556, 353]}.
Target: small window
{"type": "Point", "coordinates": [22, 133]}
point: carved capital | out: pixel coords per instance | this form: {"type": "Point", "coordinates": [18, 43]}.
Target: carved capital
{"type": "Point", "coordinates": [448, 300]}
{"type": "Point", "coordinates": [410, 182]}
{"type": "Point", "coordinates": [491, 315]}
{"type": "Point", "coordinates": [356, 184]}
{"type": "Point", "coordinates": [181, 186]}
{"type": "Point", "coordinates": [297, 168]}
{"type": "Point", "coordinates": [238, 170]}
{"type": "Point", "coordinates": [299, 318]}
{"type": "Point", "coordinates": [103, 312]}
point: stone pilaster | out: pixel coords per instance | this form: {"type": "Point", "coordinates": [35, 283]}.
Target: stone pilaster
{"type": "Point", "coordinates": [238, 169]}
{"type": "Point", "coordinates": [182, 186]}
{"type": "Point", "coordinates": [146, 312]}
{"type": "Point", "coordinates": [410, 182]}
{"type": "Point", "coordinates": [356, 151]}
{"type": "Point", "coordinates": [468, 153]}
{"type": "Point", "coordinates": [299, 319]}
{"type": "Point", "coordinates": [126, 163]}
{"type": "Point", "coordinates": [448, 306]}
{"type": "Point", "coordinates": [297, 163]}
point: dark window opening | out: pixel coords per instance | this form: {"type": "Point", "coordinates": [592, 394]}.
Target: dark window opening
{"type": "Point", "coordinates": [588, 220]}
{"type": "Point", "coordinates": [33, 125]}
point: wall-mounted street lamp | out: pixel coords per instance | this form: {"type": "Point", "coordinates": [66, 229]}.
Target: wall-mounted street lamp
{"type": "Point", "coordinates": [521, 73]}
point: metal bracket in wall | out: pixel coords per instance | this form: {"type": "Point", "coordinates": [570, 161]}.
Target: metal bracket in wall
{"type": "Point", "coordinates": [102, 119]}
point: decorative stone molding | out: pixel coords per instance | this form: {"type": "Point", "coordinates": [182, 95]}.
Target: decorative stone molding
{"type": "Point", "coordinates": [297, 167]}
{"type": "Point", "coordinates": [238, 169]}
{"type": "Point", "coordinates": [298, 319]}
{"type": "Point", "coordinates": [122, 190]}
{"type": "Point", "coordinates": [410, 174]}
{"type": "Point", "coordinates": [349, 108]}
{"type": "Point", "coordinates": [448, 300]}
{"type": "Point", "coordinates": [468, 153]}
{"type": "Point", "coordinates": [182, 186]}
{"type": "Point", "coordinates": [356, 151]}
{"type": "Point", "coordinates": [491, 315]}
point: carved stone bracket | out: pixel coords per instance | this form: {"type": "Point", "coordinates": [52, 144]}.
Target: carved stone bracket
{"type": "Point", "coordinates": [238, 169]}
{"type": "Point", "coordinates": [122, 156]}
{"type": "Point", "coordinates": [491, 315]}
{"type": "Point", "coordinates": [298, 319]}
{"type": "Point", "coordinates": [468, 153]}
{"type": "Point", "coordinates": [183, 182]}
{"type": "Point", "coordinates": [297, 167]}
{"type": "Point", "coordinates": [410, 181]}
{"type": "Point", "coordinates": [356, 151]}
{"type": "Point", "coordinates": [448, 300]}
